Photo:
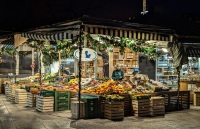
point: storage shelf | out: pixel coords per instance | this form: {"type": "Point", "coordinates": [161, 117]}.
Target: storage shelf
{"type": "Point", "coordinates": [127, 64]}
{"type": "Point", "coordinates": [164, 70]}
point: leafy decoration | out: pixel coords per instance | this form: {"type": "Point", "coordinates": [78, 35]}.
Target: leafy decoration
{"type": "Point", "coordinates": [10, 51]}
{"type": "Point", "coordinates": [140, 46]}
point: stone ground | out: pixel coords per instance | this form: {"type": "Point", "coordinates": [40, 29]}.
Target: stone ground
{"type": "Point", "coordinates": [18, 116]}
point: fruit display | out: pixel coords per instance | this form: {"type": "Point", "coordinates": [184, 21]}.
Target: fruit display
{"type": "Point", "coordinates": [139, 96]}
{"type": "Point", "coordinates": [48, 88]}
{"type": "Point", "coordinates": [73, 81]}
{"type": "Point", "coordinates": [114, 97]}
{"type": "Point", "coordinates": [108, 87]}
{"type": "Point", "coordinates": [34, 90]}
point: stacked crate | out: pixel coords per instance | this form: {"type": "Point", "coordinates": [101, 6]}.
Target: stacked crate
{"type": "Point", "coordinates": [31, 99]}
{"type": "Point", "coordinates": [128, 110]}
{"type": "Point", "coordinates": [196, 98]}
{"type": "Point", "coordinates": [45, 101]}
{"type": "Point", "coordinates": [11, 92]}
{"type": "Point", "coordinates": [1, 86]}
{"type": "Point", "coordinates": [7, 90]}
{"type": "Point", "coordinates": [114, 110]}
{"type": "Point", "coordinates": [91, 106]}
{"type": "Point", "coordinates": [75, 110]}
{"type": "Point", "coordinates": [20, 96]}
{"type": "Point", "coordinates": [157, 106]}
{"type": "Point", "coordinates": [141, 107]}
{"type": "Point", "coordinates": [62, 101]}
{"type": "Point", "coordinates": [101, 103]}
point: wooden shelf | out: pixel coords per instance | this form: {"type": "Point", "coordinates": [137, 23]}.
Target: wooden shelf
{"type": "Point", "coordinates": [128, 64]}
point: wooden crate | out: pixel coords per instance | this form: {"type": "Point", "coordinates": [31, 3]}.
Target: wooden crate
{"type": "Point", "coordinates": [157, 106]}
{"type": "Point", "coordinates": [31, 99]}
{"type": "Point", "coordinates": [128, 109]}
{"type": "Point", "coordinates": [114, 110]}
{"type": "Point", "coordinates": [20, 96]}
{"type": "Point", "coordinates": [75, 109]}
{"type": "Point", "coordinates": [175, 103]}
{"type": "Point", "coordinates": [141, 107]}
{"type": "Point", "coordinates": [101, 102]}
{"type": "Point", "coordinates": [11, 91]}
{"type": "Point", "coordinates": [196, 98]}
{"type": "Point", "coordinates": [44, 104]}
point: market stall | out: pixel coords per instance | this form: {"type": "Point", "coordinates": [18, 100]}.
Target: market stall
{"type": "Point", "coordinates": [123, 42]}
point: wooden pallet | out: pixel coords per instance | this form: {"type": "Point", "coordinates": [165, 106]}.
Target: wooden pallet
{"type": "Point", "coordinates": [114, 110]}
{"type": "Point", "coordinates": [141, 107]}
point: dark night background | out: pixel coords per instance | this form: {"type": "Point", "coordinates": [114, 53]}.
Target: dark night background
{"type": "Point", "coordinates": [21, 15]}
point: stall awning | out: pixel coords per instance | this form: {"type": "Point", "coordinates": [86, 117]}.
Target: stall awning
{"type": "Point", "coordinates": [125, 32]}
{"type": "Point", "coordinates": [193, 52]}
{"type": "Point", "coordinates": [70, 29]}
{"type": "Point", "coordinates": [55, 32]}
{"type": "Point", "coordinates": [51, 37]}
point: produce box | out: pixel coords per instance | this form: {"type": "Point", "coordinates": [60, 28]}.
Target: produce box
{"type": "Point", "coordinates": [196, 98]}
{"type": "Point", "coordinates": [157, 106]}
{"type": "Point", "coordinates": [61, 100]}
{"type": "Point", "coordinates": [128, 110]}
{"type": "Point", "coordinates": [114, 110]}
{"type": "Point", "coordinates": [140, 96]}
{"type": "Point", "coordinates": [20, 96]}
{"type": "Point", "coordinates": [75, 109]}
{"type": "Point", "coordinates": [44, 103]}
{"type": "Point", "coordinates": [91, 106]}
{"type": "Point", "coordinates": [31, 99]}
{"type": "Point", "coordinates": [141, 107]}
{"type": "Point", "coordinates": [102, 101]}
{"type": "Point", "coordinates": [47, 93]}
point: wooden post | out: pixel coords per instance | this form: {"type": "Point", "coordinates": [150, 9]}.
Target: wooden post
{"type": "Point", "coordinates": [59, 63]}
{"type": "Point", "coordinates": [76, 66]}
{"type": "Point", "coordinates": [33, 61]}
{"type": "Point", "coordinates": [17, 63]}
{"type": "Point", "coordinates": [79, 64]}
{"type": "Point", "coordinates": [85, 63]}
{"type": "Point", "coordinates": [111, 67]}
{"type": "Point", "coordinates": [95, 65]}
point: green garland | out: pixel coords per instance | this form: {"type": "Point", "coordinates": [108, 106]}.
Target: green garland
{"type": "Point", "coordinates": [50, 52]}
{"type": "Point", "coordinates": [10, 51]}
{"type": "Point", "coordinates": [109, 43]}
{"type": "Point", "coordinates": [67, 47]}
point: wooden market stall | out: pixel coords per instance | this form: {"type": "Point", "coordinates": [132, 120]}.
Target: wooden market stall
{"type": "Point", "coordinates": [89, 32]}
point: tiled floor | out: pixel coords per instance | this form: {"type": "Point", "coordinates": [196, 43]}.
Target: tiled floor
{"type": "Point", "coordinates": [18, 116]}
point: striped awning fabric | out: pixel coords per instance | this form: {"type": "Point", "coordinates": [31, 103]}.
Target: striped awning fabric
{"type": "Point", "coordinates": [55, 32]}
{"type": "Point", "coordinates": [127, 33]}
{"type": "Point", "coordinates": [68, 30]}
{"type": "Point", "coordinates": [50, 37]}
{"type": "Point", "coordinates": [193, 52]}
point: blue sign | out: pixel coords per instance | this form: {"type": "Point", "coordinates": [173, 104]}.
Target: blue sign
{"type": "Point", "coordinates": [87, 54]}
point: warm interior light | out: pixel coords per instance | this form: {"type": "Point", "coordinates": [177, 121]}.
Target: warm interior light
{"type": "Point", "coordinates": [164, 50]}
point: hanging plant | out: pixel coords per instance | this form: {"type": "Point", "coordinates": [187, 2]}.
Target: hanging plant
{"type": "Point", "coordinates": [10, 51]}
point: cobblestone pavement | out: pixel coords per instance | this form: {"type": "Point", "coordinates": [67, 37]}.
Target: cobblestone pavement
{"type": "Point", "coordinates": [18, 116]}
